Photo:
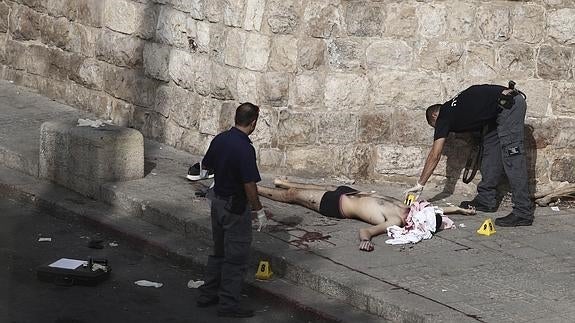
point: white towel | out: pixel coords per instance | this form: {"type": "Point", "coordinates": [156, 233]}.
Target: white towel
{"type": "Point", "coordinates": [422, 229]}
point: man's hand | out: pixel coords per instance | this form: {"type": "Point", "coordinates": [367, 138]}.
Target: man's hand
{"type": "Point", "coordinates": [417, 189]}
{"type": "Point", "coordinates": [262, 216]}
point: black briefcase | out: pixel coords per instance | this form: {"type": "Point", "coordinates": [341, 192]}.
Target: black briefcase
{"type": "Point", "coordinates": [68, 272]}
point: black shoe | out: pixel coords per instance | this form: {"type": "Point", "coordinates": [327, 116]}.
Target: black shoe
{"type": "Point", "coordinates": [512, 220]}
{"type": "Point", "coordinates": [194, 173]}
{"type": "Point", "coordinates": [238, 313]}
{"type": "Point", "coordinates": [207, 303]}
{"type": "Point", "coordinates": [478, 206]}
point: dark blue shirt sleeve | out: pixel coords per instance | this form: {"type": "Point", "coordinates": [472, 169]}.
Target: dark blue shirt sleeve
{"type": "Point", "coordinates": [208, 160]}
{"type": "Point", "coordinates": [441, 129]}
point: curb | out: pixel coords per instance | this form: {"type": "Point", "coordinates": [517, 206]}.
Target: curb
{"type": "Point", "coordinates": [167, 244]}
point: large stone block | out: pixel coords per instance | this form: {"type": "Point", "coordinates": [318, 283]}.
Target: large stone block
{"type": "Point", "coordinates": [345, 54]}
{"type": "Point", "coordinates": [401, 20]}
{"type": "Point", "coordinates": [179, 105]}
{"type": "Point", "coordinates": [364, 19]}
{"type": "Point", "coordinates": [442, 56]}
{"type": "Point", "coordinates": [480, 60]}
{"type": "Point", "coordinates": [307, 90]}
{"type": "Point", "coordinates": [248, 85]}
{"type": "Point", "coordinates": [84, 158]}
{"type": "Point", "coordinates": [554, 62]}
{"type": "Point", "coordinates": [119, 49]}
{"type": "Point", "coordinates": [399, 159]}
{"type": "Point", "coordinates": [83, 39]}
{"type": "Point", "coordinates": [3, 40]}
{"type": "Point", "coordinates": [337, 128]}
{"type": "Point", "coordinates": [32, 59]}
{"type": "Point", "coordinates": [461, 20]}
{"type": "Point", "coordinates": [296, 128]}
{"type": "Point", "coordinates": [284, 53]}
{"type": "Point", "coordinates": [234, 12]}
{"type": "Point", "coordinates": [64, 65]}
{"type": "Point", "coordinates": [254, 14]}
{"type": "Point", "coordinates": [409, 126]}
{"type": "Point", "coordinates": [517, 60]}
{"type": "Point", "coordinates": [283, 15]}
{"type": "Point", "coordinates": [562, 168]}
{"type": "Point", "coordinates": [563, 99]}
{"type": "Point", "coordinates": [224, 82]}
{"type": "Point", "coordinates": [405, 89]}
{"type": "Point", "coordinates": [25, 23]}
{"type": "Point", "coordinates": [210, 114]}
{"type": "Point", "coordinates": [86, 12]}
{"type": "Point", "coordinates": [565, 137]}
{"type": "Point", "coordinates": [196, 8]}
{"type": "Point", "coordinates": [202, 37]}
{"type": "Point", "coordinates": [494, 22]}
{"type": "Point", "coordinates": [270, 158]}
{"type": "Point", "coordinates": [256, 52]}
{"type": "Point", "coordinates": [313, 161]}
{"type": "Point", "coordinates": [234, 49]}
{"type": "Point", "coordinates": [4, 17]}
{"type": "Point", "coordinates": [346, 91]}
{"type": "Point", "coordinates": [264, 135]}
{"type": "Point", "coordinates": [311, 54]}
{"type": "Point", "coordinates": [90, 74]}
{"type": "Point", "coordinates": [121, 112]}
{"type": "Point", "coordinates": [157, 61]}
{"type": "Point", "coordinates": [375, 127]}
{"type": "Point", "coordinates": [323, 19]}
{"type": "Point", "coordinates": [561, 25]}
{"type": "Point", "coordinates": [217, 43]}
{"type": "Point", "coordinates": [275, 88]}
{"type": "Point", "coordinates": [174, 28]}
{"type": "Point", "coordinates": [130, 17]}
{"type": "Point", "coordinates": [92, 101]}
{"type": "Point", "coordinates": [389, 53]}
{"type": "Point", "coordinates": [432, 22]}
{"type": "Point", "coordinates": [191, 71]}
{"type": "Point", "coordinates": [538, 100]}
{"type": "Point", "coordinates": [130, 85]}
{"type": "Point", "coordinates": [528, 23]}
{"type": "Point", "coordinates": [55, 32]}
{"type": "Point", "coordinates": [214, 10]}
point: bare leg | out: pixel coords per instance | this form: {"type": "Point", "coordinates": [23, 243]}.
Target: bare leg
{"type": "Point", "coordinates": [310, 199]}
{"type": "Point", "coordinates": [284, 183]}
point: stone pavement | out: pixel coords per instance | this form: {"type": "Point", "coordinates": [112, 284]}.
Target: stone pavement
{"type": "Point", "coordinates": [516, 275]}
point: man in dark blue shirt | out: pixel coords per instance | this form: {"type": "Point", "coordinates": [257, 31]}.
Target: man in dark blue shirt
{"type": "Point", "coordinates": [503, 148]}
{"type": "Point", "coordinates": [232, 158]}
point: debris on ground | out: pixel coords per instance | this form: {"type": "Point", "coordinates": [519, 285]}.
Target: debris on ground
{"type": "Point", "coordinates": [195, 284]}
{"type": "Point", "coordinates": [147, 283]}
{"type": "Point", "coordinates": [44, 239]}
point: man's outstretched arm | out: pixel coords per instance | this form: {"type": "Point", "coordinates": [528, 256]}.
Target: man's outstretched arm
{"type": "Point", "coordinates": [432, 160]}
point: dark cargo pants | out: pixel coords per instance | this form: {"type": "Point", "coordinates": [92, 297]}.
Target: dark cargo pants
{"type": "Point", "coordinates": [503, 153]}
{"type": "Point", "coordinates": [232, 236]}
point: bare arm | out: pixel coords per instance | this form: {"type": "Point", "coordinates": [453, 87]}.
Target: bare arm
{"type": "Point", "coordinates": [432, 160]}
{"type": "Point", "coordinates": [252, 196]}
{"type": "Point", "coordinates": [457, 209]}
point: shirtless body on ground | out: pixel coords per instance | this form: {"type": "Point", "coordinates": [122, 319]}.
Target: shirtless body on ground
{"type": "Point", "coordinates": [344, 202]}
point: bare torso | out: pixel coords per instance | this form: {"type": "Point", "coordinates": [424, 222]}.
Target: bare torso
{"type": "Point", "coordinates": [374, 210]}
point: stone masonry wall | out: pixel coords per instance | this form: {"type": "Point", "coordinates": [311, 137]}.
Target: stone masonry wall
{"type": "Point", "coordinates": [342, 84]}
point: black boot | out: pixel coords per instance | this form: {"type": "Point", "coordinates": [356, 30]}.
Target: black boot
{"type": "Point", "coordinates": [512, 220]}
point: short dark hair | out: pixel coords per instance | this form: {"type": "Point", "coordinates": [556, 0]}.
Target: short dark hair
{"type": "Point", "coordinates": [430, 111]}
{"type": "Point", "coordinates": [246, 113]}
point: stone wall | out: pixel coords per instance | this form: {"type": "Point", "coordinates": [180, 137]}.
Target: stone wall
{"type": "Point", "coordinates": [342, 84]}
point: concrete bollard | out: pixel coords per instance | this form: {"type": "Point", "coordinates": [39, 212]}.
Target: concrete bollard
{"type": "Point", "coordinates": [84, 158]}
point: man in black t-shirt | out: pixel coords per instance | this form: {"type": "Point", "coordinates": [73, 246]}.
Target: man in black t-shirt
{"type": "Point", "coordinates": [234, 198]}
{"type": "Point", "coordinates": [503, 148]}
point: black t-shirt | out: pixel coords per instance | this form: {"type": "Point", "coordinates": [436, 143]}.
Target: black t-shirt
{"type": "Point", "coordinates": [469, 110]}
{"type": "Point", "coordinates": [233, 159]}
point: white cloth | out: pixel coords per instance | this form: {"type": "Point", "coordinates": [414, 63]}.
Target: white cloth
{"type": "Point", "coordinates": [422, 229]}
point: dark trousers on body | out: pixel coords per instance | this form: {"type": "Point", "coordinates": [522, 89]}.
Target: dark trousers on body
{"type": "Point", "coordinates": [232, 235]}
{"type": "Point", "coordinates": [503, 153]}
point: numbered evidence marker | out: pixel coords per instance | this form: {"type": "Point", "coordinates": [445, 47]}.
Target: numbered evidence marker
{"type": "Point", "coordinates": [487, 228]}
{"type": "Point", "coordinates": [264, 271]}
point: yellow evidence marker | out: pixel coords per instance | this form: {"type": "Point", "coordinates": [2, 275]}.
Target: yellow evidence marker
{"type": "Point", "coordinates": [487, 228]}
{"type": "Point", "coordinates": [264, 271]}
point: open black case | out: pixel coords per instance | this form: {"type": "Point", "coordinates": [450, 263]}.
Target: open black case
{"type": "Point", "coordinates": [68, 272]}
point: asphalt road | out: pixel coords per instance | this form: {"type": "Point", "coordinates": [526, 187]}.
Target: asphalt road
{"type": "Point", "coordinates": [23, 298]}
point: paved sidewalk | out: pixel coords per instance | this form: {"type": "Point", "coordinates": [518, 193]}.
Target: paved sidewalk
{"type": "Point", "coordinates": [516, 275]}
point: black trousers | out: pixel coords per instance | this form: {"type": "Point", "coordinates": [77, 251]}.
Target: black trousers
{"type": "Point", "coordinates": [232, 236]}
{"type": "Point", "coordinates": [503, 153]}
